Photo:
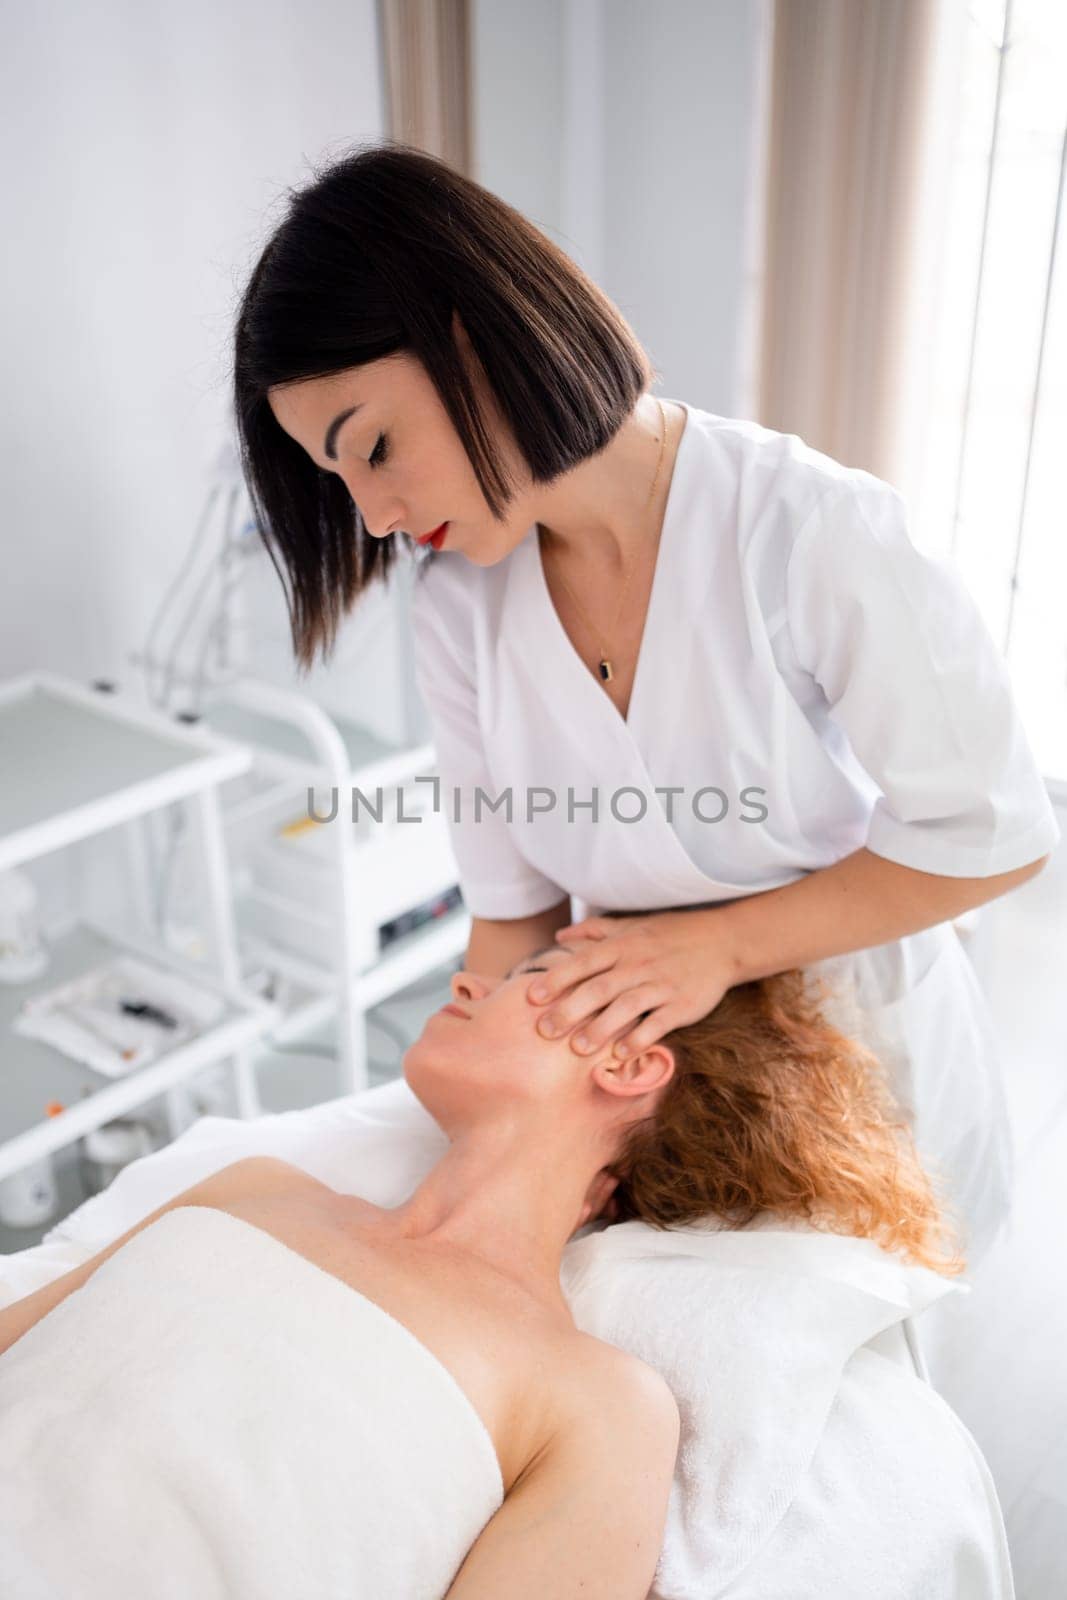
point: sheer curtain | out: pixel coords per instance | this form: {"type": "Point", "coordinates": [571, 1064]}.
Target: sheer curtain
{"type": "Point", "coordinates": [426, 75]}
{"type": "Point", "coordinates": [853, 88]}
{"type": "Point", "coordinates": [914, 308]}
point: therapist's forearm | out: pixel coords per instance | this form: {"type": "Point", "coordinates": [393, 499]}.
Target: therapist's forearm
{"type": "Point", "coordinates": [860, 901]}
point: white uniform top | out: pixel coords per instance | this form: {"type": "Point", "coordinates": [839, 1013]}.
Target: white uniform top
{"type": "Point", "coordinates": [808, 683]}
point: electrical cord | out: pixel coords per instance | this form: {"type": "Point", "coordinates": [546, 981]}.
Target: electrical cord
{"type": "Point", "coordinates": [231, 562]}
{"type": "Point", "coordinates": [164, 690]}
{"type": "Point", "coordinates": [149, 662]}
{"type": "Point", "coordinates": [177, 822]}
{"type": "Point", "coordinates": [197, 600]}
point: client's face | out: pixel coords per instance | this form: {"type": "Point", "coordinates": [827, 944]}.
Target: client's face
{"type": "Point", "coordinates": [484, 1049]}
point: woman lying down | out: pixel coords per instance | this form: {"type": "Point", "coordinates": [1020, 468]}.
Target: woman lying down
{"type": "Point", "coordinates": [267, 1388]}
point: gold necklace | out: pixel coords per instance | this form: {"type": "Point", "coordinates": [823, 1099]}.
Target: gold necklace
{"type": "Point", "coordinates": [604, 666]}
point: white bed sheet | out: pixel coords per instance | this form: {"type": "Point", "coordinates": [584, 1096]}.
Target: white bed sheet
{"type": "Point", "coordinates": [814, 1464]}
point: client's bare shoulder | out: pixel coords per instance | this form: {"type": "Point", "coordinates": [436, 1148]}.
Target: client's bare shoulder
{"type": "Point", "coordinates": [258, 1175]}
{"type": "Point", "coordinates": [587, 1512]}
{"type": "Point", "coordinates": [610, 1396]}
{"type": "Point", "coordinates": [606, 1371]}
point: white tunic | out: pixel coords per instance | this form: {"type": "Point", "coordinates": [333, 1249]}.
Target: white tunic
{"type": "Point", "coordinates": [808, 683]}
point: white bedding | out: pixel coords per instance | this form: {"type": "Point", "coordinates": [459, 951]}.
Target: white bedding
{"type": "Point", "coordinates": [811, 1466]}
{"type": "Point", "coordinates": [296, 1444]}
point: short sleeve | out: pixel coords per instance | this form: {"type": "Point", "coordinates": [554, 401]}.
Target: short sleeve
{"type": "Point", "coordinates": [496, 879]}
{"type": "Point", "coordinates": [912, 675]}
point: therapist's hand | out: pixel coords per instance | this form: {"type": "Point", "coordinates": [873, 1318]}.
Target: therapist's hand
{"type": "Point", "coordinates": [675, 965]}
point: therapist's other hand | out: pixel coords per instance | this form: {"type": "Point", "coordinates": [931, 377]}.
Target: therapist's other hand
{"type": "Point", "coordinates": [674, 965]}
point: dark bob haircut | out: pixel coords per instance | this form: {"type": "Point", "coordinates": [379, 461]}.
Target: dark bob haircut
{"type": "Point", "coordinates": [374, 257]}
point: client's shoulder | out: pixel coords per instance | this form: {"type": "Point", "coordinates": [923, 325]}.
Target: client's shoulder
{"type": "Point", "coordinates": [257, 1180]}
{"type": "Point", "coordinates": [599, 1379]}
{"type": "Point", "coordinates": [258, 1172]}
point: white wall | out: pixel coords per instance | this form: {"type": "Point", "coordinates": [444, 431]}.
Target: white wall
{"type": "Point", "coordinates": [146, 153]}
{"type": "Point", "coordinates": [145, 150]}
{"type": "Point", "coordinates": [633, 136]}
{"type": "Point", "coordinates": [144, 157]}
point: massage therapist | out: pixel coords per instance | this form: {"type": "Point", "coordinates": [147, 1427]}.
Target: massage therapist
{"type": "Point", "coordinates": [677, 664]}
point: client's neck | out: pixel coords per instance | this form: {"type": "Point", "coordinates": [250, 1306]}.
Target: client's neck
{"type": "Point", "coordinates": [510, 1194]}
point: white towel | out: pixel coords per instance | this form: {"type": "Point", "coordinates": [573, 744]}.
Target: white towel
{"type": "Point", "coordinates": [214, 1416]}
{"type": "Point", "coordinates": [808, 1467]}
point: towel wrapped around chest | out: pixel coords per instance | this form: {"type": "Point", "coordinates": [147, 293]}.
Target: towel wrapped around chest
{"type": "Point", "coordinates": [213, 1415]}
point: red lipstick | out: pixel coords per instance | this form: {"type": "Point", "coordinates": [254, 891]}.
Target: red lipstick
{"type": "Point", "coordinates": [436, 536]}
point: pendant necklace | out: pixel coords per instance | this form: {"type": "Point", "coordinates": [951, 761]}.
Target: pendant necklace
{"type": "Point", "coordinates": [605, 668]}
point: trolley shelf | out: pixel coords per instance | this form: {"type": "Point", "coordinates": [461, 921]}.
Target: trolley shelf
{"type": "Point", "coordinates": [33, 1073]}
{"type": "Point", "coordinates": [286, 748]}
{"type": "Point", "coordinates": [76, 761]}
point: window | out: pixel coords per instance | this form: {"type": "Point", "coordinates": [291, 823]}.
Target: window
{"type": "Point", "coordinates": [992, 482]}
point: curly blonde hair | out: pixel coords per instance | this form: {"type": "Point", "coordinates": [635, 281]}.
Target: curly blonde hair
{"type": "Point", "coordinates": [771, 1108]}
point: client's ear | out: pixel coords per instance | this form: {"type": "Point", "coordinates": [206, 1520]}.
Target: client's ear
{"type": "Point", "coordinates": [642, 1073]}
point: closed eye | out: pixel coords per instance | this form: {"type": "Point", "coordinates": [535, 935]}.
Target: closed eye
{"type": "Point", "coordinates": [524, 966]}
{"type": "Point", "coordinates": [380, 453]}
{"type": "Point", "coordinates": [522, 970]}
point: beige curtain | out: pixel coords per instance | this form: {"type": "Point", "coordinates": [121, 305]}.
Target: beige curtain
{"type": "Point", "coordinates": [852, 86]}
{"type": "Point", "coordinates": [426, 76]}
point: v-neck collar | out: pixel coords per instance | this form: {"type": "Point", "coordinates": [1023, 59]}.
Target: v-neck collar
{"type": "Point", "coordinates": [552, 737]}
{"type": "Point", "coordinates": [554, 628]}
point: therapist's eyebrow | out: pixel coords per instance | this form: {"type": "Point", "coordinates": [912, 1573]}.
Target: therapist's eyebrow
{"type": "Point", "coordinates": [329, 444]}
